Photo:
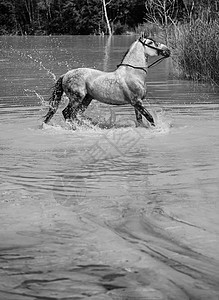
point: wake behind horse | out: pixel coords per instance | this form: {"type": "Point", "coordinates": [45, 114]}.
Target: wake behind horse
{"type": "Point", "coordinates": [125, 85]}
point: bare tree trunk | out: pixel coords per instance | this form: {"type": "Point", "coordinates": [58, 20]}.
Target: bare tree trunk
{"type": "Point", "coordinates": [29, 10]}
{"type": "Point", "coordinates": [106, 17]}
{"type": "Point", "coordinates": [47, 5]}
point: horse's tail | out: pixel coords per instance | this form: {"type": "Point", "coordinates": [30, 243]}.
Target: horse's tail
{"type": "Point", "coordinates": [54, 100]}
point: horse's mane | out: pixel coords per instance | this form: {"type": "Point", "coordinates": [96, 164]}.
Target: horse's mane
{"type": "Point", "coordinates": [124, 55]}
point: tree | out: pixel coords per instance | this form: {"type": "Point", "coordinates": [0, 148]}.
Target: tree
{"type": "Point", "coordinates": [106, 16]}
{"type": "Point", "coordinates": [207, 8]}
{"type": "Point", "coordinates": [95, 16]}
{"type": "Point", "coordinates": [127, 12]}
{"type": "Point", "coordinates": [7, 17]}
{"type": "Point", "coordinates": [163, 13]}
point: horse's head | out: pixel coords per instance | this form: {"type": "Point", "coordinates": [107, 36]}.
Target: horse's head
{"type": "Point", "coordinates": [153, 48]}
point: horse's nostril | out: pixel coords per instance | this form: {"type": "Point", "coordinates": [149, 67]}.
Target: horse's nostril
{"type": "Point", "coordinates": [166, 53]}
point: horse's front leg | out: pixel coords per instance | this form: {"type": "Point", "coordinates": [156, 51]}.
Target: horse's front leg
{"type": "Point", "coordinates": [139, 108]}
{"type": "Point", "coordinates": [138, 118]}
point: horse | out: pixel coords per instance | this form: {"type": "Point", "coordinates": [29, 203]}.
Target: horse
{"type": "Point", "coordinates": [125, 85]}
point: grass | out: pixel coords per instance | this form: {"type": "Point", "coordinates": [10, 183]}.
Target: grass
{"type": "Point", "coordinates": [196, 50]}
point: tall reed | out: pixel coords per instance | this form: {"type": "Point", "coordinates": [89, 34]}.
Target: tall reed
{"type": "Point", "coordinates": [196, 50]}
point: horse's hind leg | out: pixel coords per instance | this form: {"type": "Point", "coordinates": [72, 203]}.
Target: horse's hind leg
{"type": "Point", "coordinates": [54, 100]}
{"type": "Point", "coordinates": [84, 104]}
{"type": "Point", "coordinates": [67, 111]}
{"type": "Point", "coordinates": [143, 111]}
{"type": "Point", "coordinates": [72, 109]}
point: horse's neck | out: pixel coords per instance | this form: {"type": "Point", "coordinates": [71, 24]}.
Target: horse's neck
{"type": "Point", "coordinates": [136, 56]}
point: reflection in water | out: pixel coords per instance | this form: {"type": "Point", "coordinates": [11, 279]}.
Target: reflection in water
{"type": "Point", "coordinates": [107, 53]}
{"type": "Point", "coordinates": [108, 211]}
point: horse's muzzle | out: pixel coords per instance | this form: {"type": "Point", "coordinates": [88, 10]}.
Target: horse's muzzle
{"type": "Point", "coordinates": [165, 52]}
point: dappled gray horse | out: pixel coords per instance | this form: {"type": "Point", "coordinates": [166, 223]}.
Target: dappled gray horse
{"type": "Point", "coordinates": [125, 85]}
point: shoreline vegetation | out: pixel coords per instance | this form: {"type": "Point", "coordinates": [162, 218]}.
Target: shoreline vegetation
{"type": "Point", "coordinates": [189, 27]}
{"type": "Point", "coordinates": [196, 50]}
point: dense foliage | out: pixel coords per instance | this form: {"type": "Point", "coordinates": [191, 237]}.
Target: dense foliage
{"type": "Point", "coordinates": [73, 16]}
{"type": "Point", "coordinates": [38, 17]}
{"type": "Point", "coordinates": [66, 16]}
{"type": "Point", "coordinates": [196, 47]}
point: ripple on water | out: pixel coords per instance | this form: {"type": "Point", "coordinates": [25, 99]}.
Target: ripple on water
{"type": "Point", "coordinates": [131, 212]}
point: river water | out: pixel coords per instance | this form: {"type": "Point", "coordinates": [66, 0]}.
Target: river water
{"type": "Point", "coordinates": [108, 211]}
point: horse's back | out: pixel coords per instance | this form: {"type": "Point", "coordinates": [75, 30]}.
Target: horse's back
{"type": "Point", "coordinates": [80, 75]}
{"type": "Point", "coordinates": [106, 87]}
{"type": "Point", "coordinates": [75, 80]}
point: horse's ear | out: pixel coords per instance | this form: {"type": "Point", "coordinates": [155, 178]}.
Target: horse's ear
{"type": "Point", "coordinates": [142, 35]}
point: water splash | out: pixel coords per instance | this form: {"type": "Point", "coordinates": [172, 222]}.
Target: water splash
{"type": "Point", "coordinates": [81, 124]}
{"type": "Point", "coordinates": [49, 73]}
{"type": "Point", "coordinates": [42, 101]}
{"type": "Point", "coordinates": [163, 124]}
{"type": "Point", "coordinates": [37, 61]}
{"type": "Point", "coordinates": [86, 125]}
{"type": "Point", "coordinates": [97, 117]}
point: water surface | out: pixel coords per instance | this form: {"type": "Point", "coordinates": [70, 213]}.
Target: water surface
{"type": "Point", "coordinates": [108, 211]}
